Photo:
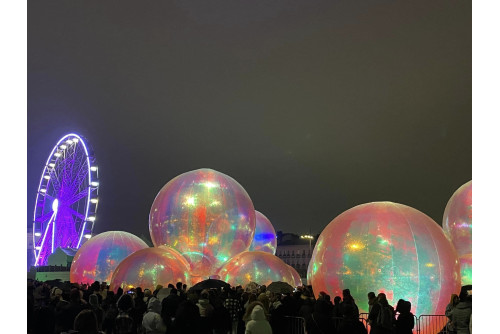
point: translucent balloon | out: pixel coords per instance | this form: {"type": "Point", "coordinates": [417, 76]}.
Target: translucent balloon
{"type": "Point", "coordinates": [296, 277]}
{"type": "Point", "coordinates": [259, 267]}
{"type": "Point", "coordinates": [386, 247]}
{"type": "Point", "coordinates": [457, 225]}
{"type": "Point", "coordinates": [264, 238]}
{"type": "Point", "coordinates": [98, 257]}
{"type": "Point", "coordinates": [205, 215]}
{"type": "Point", "coordinates": [149, 267]}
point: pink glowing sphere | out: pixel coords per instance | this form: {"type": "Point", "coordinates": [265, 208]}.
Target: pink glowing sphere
{"type": "Point", "coordinates": [205, 215]}
{"type": "Point", "coordinates": [386, 247]}
{"type": "Point", "coordinates": [296, 277]}
{"type": "Point", "coordinates": [457, 226]}
{"type": "Point", "coordinates": [98, 257]}
{"type": "Point", "coordinates": [264, 238]}
{"type": "Point", "coordinates": [149, 267]}
{"type": "Point", "coordinates": [259, 267]}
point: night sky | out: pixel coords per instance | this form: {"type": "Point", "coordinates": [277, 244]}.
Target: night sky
{"type": "Point", "coordinates": [312, 106]}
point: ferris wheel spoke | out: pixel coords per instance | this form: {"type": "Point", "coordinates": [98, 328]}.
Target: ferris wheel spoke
{"type": "Point", "coordinates": [45, 217]}
{"type": "Point", "coordinates": [79, 180]}
{"type": "Point", "coordinates": [79, 196]}
{"type": "Point", "coordinates": [54, 179]}
{"type": "Point", "coordinates": [76, 214]}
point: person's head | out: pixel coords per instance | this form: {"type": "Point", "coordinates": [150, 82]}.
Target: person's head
{"type": "Point", "coordinates": [371, 295]}
{"type": "Point", "coordinates": [125, 303]}
{"type": "Point", "coordinates": [170, 285]}
{"type": "Point", "coordinates": [178, 285]}
{"type": "Point", "coordinates": [264, 299]}
{"type": "Point", "coordinates": [173, 291]}
{"type": "Point", "coordinates": [56, 293]}
{"type": "Point", "coordinates": [74, 295]}
{"type": "Point", "coordinates": [252, 297]}
{"type": "Point", "coordinates": [86, 322]}
{"type": "Point", "coordinates": [382, 299]}
{"type": "Point", "coordinates": [204, 294]}
{"type": "Point", "coordinates": [407, 306]}
{"type": "Point", "coordinates": [337, 300]}
{"type": "Point", "coordinates": [250, 307]}
{"type": "Point", "coordinates": [147, 293]}
{"type": "Point", "coordinates": [154, 305]}
{"type": "Point", "coordinates": [454, 300]}
{"type": "Point", "coordinates": [93, 300]}
{"type": "Point", "coordinates": [346, 293]}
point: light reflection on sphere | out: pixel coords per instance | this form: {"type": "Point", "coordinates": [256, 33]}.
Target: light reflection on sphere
{"type": "Point", "coordinates": [98, 257]}
{"type": "Point", "coordinates": [264, 238]}
{"type": "Point", "coordinates": [296, 277]}
{"type": "Point", "coordinates": [457, 225]}
{"type": "Point", "coordinates": [259, 267]}
{"type": "Point", "coordinates": [149, 267]}
{"type": "Point", "coordinates": [386, 247]}
{"type": "Point", "coordinates": [206, 215]}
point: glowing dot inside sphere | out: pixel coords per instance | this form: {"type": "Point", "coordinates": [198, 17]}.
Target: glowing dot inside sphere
{"type": "Point", "coordinates": [259, 267]}
{"type": "Point", "coordinates": [149, 267]}
{"type": "Point", "coordinates": [398, 250]}
{"type": "Point", "coordinates": [264, 238]}
{"type": "Point", "coordinates": [206, 215]}
{"type": "Point", "coordinates": [457, 225]}
{"type": "Point", "coordinates": [98, 257]}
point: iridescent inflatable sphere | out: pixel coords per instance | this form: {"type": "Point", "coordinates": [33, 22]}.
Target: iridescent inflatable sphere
{"type": "Point", "coordinates": [205, 215]}
{"type": "Point", "coordinates": [296, 276]}
{"type": "Point", "coordinates": [259, 267]}
{"type": "Point", "coordinates": [149, 267]}
{"type": "Point", "coordinates": [457, 225]}
{"type": "Point", "coordinates": [98, 257]}
{"type": "Point", "coordinates": [386, 247]}
{"type": "Point", "coordinates": [264, 238]}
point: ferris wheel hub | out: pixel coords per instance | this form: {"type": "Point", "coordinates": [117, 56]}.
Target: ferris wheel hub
{"type": "Point", "coordinates": [55, 204]}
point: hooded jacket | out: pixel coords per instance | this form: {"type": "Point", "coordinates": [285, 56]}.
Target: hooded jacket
{"type": "Point", "coordinates": [152, 321]}
{"type": "Point", "coordinates": [460, 317]}
{"type": "Point", "coordinates": [258, 323]}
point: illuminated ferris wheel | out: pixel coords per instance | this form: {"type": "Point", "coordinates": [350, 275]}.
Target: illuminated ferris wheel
{"type": "Point", "coordinates": [66, 201]}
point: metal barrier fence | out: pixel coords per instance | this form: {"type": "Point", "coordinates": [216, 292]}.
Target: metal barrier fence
{"type": "Point", "coordinates": [295, 325]}
{"type": "Point", "coordinates": [425, 324]}
{"type": "Point", "coordinates": [431, 324]}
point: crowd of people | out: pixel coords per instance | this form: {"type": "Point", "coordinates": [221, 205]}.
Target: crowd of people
{"type": "Point", "coordinates": [94, 309]}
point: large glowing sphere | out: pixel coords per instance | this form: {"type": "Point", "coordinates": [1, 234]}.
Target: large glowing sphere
{"type": "Point", "coordinates": [457, 226]}
{"type": "Point", "coordinates": [149, 267]}
{"type": "Point", "coordinates": [98, 257]}
{"type": "Point", "coordinates": [259, 267]}
{"type": "Point", "coordinates": [296, 277]}
{"type": "Point", "coordinates": [264, 238]}
{"type": "Point", "coordinates": [386, 247]}
{"type": "Point", "coordinates": [206, 215]}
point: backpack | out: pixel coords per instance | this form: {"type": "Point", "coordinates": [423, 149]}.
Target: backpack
{"type": "Point", "coordinates": [124, 324]}
{"type": "Point", "coordinates": [384, 317]}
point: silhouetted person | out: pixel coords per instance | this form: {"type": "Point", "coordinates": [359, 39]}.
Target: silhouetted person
{"type": "Point", "coordinates": [461, 314]}
{"type": "Point", "coordinates": [187, 319]}
{"type": "Point", "coordinates": [169, 307]}
{"type": "Point", "coordinates": [320, 321]}
{"type": "Point", "coordinates": [381, 323]}
{"type": "Point", "coordinates": [405, 321]}
{"type": "Point", "coordinates": [347, 299]}
{"type": "Point", "coordinates": [124, 323]}
{"type": "Point", "coordinates": [349, 324]}
{"type": "Point", "coordinates": [372, 299]}
{"type": "Point", "coordinates": [152, 321]}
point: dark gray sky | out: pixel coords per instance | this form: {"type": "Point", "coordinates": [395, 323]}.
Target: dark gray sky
{"type": "Point", "coordinates": [312, 106]}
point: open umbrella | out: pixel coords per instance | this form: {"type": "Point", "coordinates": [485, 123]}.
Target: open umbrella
{"type": "Point", "coordinates": [210, 284]}
{"type": "Point", "coordinates": [280, 287]}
